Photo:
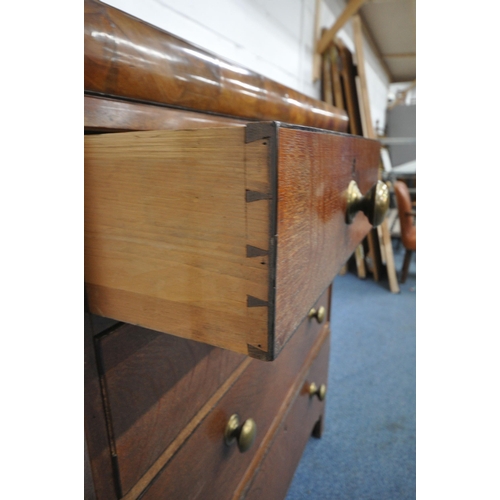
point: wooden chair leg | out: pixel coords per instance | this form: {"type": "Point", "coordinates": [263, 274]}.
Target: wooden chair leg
{"type": "Point", "coordinates": [406, 265]}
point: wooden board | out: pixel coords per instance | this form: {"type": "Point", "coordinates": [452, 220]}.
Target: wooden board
{"type": "Point", "coordinates": [350, 9]}
{"type": "Point", "coordinates": [100, 453]}
{"type": "Point", "coordinates": [167, 230]}
{"type": "Point", "coordinates": [347, 75]}
{"type": "Point", "coordinates": [326, 81]}
{"type": "Point", "coordinates": [338, 91]}
{"type": "Point", "coordinates": [147, 373]}
{"type": "Point", "coordinates": [112, 115]}
{"type": "Point", "coordinates": [368, 130]}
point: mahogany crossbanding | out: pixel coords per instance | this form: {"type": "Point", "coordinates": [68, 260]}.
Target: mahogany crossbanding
{"type": "Point", "coordinates": [114, 115]}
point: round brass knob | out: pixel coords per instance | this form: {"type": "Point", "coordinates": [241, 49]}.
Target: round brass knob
{"type": "Point", "coordinates": [319, 314]}
{"type": "Point", "coordinates": [244, 433]}
{"type": "Point", "coordinates": [373, 204]}
{"type": "Point", "coordinates": [320, 391]}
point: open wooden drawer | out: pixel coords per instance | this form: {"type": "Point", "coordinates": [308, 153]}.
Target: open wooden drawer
{"type": "Point", "coordinates": [226, 236]}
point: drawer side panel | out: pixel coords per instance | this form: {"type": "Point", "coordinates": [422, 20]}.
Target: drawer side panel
{"type": "Point", "coordinates": [168, 232]}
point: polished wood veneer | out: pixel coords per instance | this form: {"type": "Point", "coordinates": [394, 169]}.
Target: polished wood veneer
{"type": "Point", "coordinates": [225, 236]}
{"type": "Point", "coordinates": [263, 392]}
{"type": "Point", "coordinates": [125, 57]}
{"type": "Point", "coordinates": [147, 373]}
{"type": "Point", "coordinates": [275, 472]}
{"type": "Point", "coordinates": [197, 460]}
{"type": "Point", "coordinates": [112, 115]}
{"type": "Point", "coordinates": [314, 169]}
{"type": "Point", "coordinates": [168, 398]}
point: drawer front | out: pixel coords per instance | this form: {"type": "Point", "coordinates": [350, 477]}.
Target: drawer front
{"type": "Point", "coordinates": [155, 384]}
{"type": "Point", "coordinates": [276, 471]}
{"type": "Point", "coordinates": [314, 170]}
{"type": "Point", "coordinates": [205, 466]}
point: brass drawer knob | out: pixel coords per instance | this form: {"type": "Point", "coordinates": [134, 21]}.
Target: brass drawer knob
{"type": "Point", "coordinates": [319, 314]}
{"type": "Point", "coordinates": [244, 433]}
{"type": "Point", "coordinates": [373, 204]}
{"type": "Point", "coordinates": [320, 391]}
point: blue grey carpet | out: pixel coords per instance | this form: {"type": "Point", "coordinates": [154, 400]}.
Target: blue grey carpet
{"type": "Point", "coordinates": [367, 450]}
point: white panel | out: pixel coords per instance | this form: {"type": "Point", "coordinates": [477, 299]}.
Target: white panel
{"type": "Point", "coordinates": [327, 16]}
{"type": "Point", "coordinates": [309, 5]}
{"type": "Point", "coordinates": [377, 93]}
{"type": "Point", "coordinates": [285, 13]}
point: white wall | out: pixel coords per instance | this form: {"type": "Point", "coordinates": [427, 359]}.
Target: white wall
{"type": "Point", "coordinates": [395, 88]}
{"type": "Point", "coordinates": [272, 37]}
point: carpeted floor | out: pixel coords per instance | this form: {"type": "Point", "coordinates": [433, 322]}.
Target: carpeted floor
{"type": "Point", "coordinates": [368, 447]}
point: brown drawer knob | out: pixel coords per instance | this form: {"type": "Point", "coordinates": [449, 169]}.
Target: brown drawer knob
{"type": "Point", "coordinates": [243, 433]}
{"type": "Point", "coordinates": [320, 391]}
{"type": "Point", "coordinates": [373, 204]}
{"type": "Point", "coordinates": [319, 314]}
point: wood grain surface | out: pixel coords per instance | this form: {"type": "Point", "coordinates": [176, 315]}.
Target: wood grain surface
{"type": "Point", "coordinates": [326, 81]}
{"type": "Point", "coordinates": [180, 74]}
{"type": "Point", "coordinates": [338, 92]}
{"type": "Point", "coordinates": [314, 241]}
{"type": "Point", "coordinates": [147, 374]}
{"type": "Point", "coordinates": [167, 232]}
{"type": "Point", "coordinates": [348, 78]}
{"type": "Point", "coordinates": [275, 473]}
{"type": "Point", "coordinates": [88, 481]}
{"type": "Point", "coordinates": [264, 392]}
{"type": "Point", "coordinates": [99, 443]}
{"type": "Point", "coordinates": [113, 115]}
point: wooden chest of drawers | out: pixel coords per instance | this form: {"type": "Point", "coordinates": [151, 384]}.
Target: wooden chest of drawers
{"type": "Point", "coordinates": [157, 407]}
{"type": "Point", "coordinates": [226, 237]}
{"type": "Point", "coordinates": [211, 243]}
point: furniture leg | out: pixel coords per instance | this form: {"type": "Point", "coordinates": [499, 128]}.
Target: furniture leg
{"type": "Point", "coordinates": [406, 265]}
